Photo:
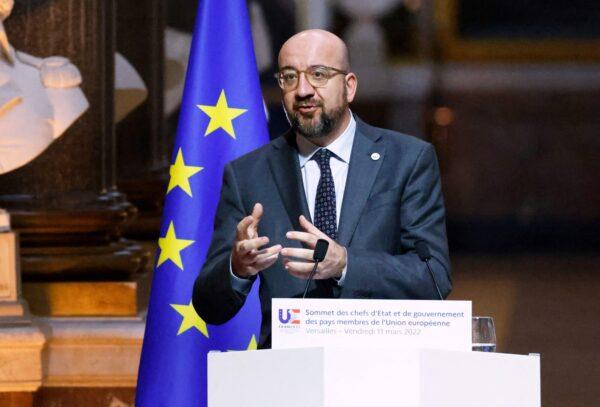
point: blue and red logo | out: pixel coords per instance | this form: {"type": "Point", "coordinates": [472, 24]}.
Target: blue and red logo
{"type": "Point", "coordinates": [292, 316]}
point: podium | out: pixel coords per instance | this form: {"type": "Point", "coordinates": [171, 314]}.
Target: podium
{"type": "Point", "coordinates": [332, 377]}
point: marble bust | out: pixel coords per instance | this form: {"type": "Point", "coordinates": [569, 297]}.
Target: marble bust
{"type": "Point", "coordinates": [40, 98]}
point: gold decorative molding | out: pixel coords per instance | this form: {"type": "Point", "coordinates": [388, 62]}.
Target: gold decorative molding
{"type": "Point", "coordinates": [453, 47]}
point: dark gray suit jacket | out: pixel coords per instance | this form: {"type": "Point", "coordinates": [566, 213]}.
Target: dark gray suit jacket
{"type": "Point", "coordinates": [388, 205]}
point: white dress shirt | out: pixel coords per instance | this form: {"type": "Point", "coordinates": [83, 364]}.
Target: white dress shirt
{"type": "Point", "coordinates": [339, 163]}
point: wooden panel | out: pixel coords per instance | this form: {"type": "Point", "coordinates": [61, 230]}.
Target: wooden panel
{"type": "Point", "coordinates": [85, 396]}
{"type": "Point", "coordinates": [17, 399]}
{"type": "Point", "coordinates": [522, 154]}
{"type": "Point", "coordinates": [110, 298]}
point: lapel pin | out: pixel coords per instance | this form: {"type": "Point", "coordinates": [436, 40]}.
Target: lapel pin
{"type": "Point", "coordinates": [375, 156]}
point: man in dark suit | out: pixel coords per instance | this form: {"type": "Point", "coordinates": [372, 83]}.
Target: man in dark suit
{"type": "Point", "coordinates": [372, 193]}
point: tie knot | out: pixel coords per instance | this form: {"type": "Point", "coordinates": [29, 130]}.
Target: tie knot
{"type": "Point", "coordinates": [322, 157]}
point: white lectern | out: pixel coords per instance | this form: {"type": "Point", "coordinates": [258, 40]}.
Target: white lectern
{"type": "Point", "coordinates": [329, 377]}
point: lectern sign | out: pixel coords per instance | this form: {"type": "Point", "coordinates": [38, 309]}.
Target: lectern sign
{"type": "Point", "coordinates": [341, 323]}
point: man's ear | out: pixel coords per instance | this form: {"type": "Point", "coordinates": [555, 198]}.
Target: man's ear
{"type": "Point", "coordinates": [351, 86]}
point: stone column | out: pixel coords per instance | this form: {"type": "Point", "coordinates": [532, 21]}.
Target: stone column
{"type": "Point", "coordinates": [143, 157]}
{"type": "Point", "coordinates": [65, 204]}
{"type": "Point", "coordinates": [21, 341]}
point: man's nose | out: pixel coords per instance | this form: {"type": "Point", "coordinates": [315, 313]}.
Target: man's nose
{"type": "Point", "coordinates": [304, 88]}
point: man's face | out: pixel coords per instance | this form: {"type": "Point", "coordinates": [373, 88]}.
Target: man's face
{"type": "Point", "coordinates": [314, 111]}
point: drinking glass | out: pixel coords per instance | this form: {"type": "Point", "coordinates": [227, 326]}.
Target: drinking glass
{"type": "Point", "coordinates": [483, 334]}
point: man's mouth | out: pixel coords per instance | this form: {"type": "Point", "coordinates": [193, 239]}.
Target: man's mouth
{"type": "Point", "coordinates": [307, 108]}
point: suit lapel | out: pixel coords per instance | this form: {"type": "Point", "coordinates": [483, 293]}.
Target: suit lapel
{"type": "Point", "coordinates": [361, 176]}
{"type": "Point", "coordinates": [285, 168]}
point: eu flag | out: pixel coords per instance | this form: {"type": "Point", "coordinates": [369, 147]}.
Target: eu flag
{"type": "Point", "coordinates": [222, 117]}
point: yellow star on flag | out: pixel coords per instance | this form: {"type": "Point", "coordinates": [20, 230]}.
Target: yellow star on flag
{"type": "Point", "coordinates": [190, 319]}
{"type": "Point", "coordinates": [252, 345]}
{"type": "Point", "coordinates": [171, 247]}
{"type": "Point", "coordinates": [181, 173]}
{"type": "Point", "coordinates": [221, 116]}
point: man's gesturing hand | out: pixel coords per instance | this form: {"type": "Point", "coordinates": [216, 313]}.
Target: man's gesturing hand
{"type": "Point", "coordinates": [335, 260]}
{"type": "Point", "coordinates": [247, 259]}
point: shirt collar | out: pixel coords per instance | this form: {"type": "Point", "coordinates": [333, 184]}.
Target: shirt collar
{"type": "Point", "coordinates": [341, 146]}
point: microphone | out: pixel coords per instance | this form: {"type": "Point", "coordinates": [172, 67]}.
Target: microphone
{"type": "Point", "coordinates": [318, 256]}
{"type": "Point", "coordinates": [425, 256]}
{"type": "Point", "coordinates": [320, 250]}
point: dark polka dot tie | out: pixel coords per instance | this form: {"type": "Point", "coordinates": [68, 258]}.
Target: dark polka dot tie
{"type": "Point", "coordinates": [325, 212]}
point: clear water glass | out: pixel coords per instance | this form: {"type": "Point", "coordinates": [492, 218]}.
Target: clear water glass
{"type": "Point", "coordinates": [483, 334]}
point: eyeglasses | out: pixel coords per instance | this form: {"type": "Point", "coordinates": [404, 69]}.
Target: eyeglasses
{"type": "Point", "coordinates": [317, 76]}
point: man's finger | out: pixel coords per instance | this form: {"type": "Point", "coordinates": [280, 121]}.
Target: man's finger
{"type": "Point", "coordinates": [307, 238]}
{"type": "Point", "coordinates": [310, 228]}
{"type": "Point", "coordinates": [242, 228]}
{"type": "Point", "coordinates": [301, 269]}
{"type": "Point", "coordinates": [266, 253]}
{"type": "Point", "coordinates": [257, 213]}
{"type": "Point", "coordinates": [246, 246]}
{"type": "Point", "coordinates": [266, 262]}
{"type": "Point", "coordinates": [305, 254]}
{"type": "Point", "coordinates": [299, 266]}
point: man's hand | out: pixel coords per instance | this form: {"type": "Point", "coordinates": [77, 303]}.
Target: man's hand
{"type": "Point", "coordinates": [247, 259]}
{"type": "Point", "coordinates": [335, 260]}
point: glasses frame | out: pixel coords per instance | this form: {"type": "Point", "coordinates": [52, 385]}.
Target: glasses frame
{"type": "Point", "coordinates": [331, 73]}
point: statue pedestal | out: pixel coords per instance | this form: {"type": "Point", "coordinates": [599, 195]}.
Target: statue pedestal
{"type": "Point", "coordinates": [21, 341]}
{"type": "Point", "coordinates": [20, 358]}
{"type": "Point", "coordinates": [92, 352]}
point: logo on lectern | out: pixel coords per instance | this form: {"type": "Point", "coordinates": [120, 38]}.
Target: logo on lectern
{"type": "Point", "coordinates": [289, 316]}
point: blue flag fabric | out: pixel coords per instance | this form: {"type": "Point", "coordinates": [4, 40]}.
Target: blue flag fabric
{"type": "Point", "coordinates": [222, 117]}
